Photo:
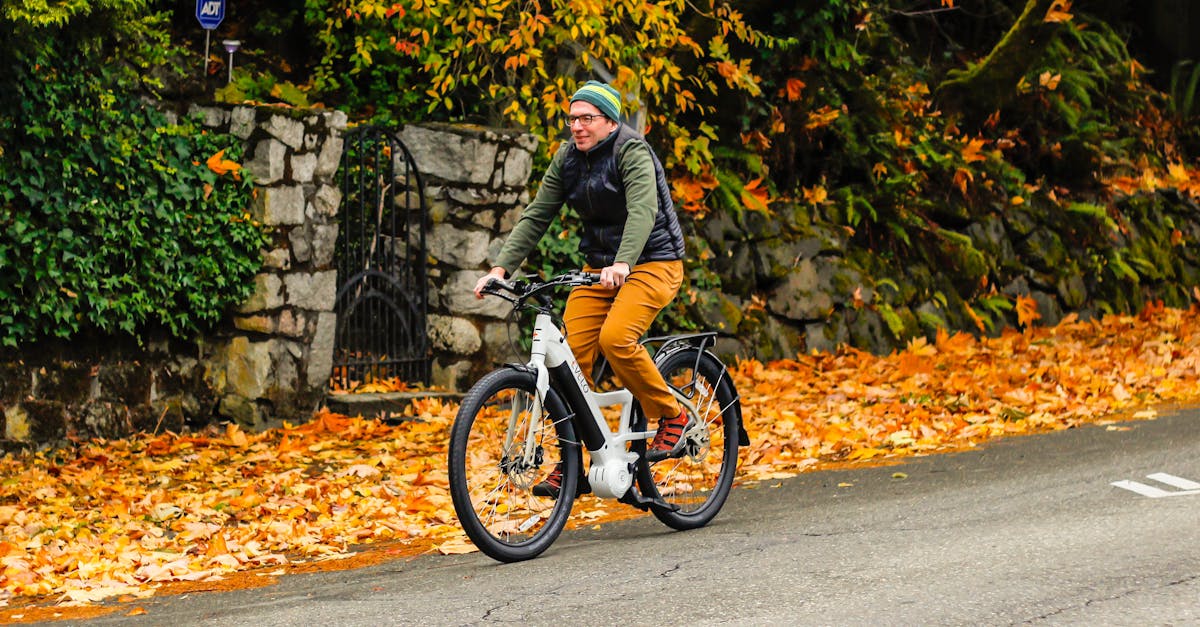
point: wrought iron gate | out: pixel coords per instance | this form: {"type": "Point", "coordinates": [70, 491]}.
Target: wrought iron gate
{"type": "Point", "coordinates": [381, 299]}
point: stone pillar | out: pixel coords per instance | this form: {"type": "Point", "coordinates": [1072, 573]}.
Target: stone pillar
{"type": "Point", "coordinates": [277, 362]}
{"type": "Point", "coordinates": [475, 183]}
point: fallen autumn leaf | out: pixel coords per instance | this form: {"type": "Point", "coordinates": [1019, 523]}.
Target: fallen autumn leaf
{"type": "Point", "coordinates": [112, 518]}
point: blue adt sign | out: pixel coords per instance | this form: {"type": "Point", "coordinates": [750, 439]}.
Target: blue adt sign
{"type": "Point", "coordinates": [210, 13]}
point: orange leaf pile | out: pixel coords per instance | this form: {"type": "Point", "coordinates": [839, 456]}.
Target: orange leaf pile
{"type": "Point", "coordinates": [1177, 176]}
{"type": "Point", "coordinates": [961, 390]}
{"type": "Point", "coordinates": [120, 517]}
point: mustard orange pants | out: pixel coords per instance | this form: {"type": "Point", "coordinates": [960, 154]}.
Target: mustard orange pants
{"type": "Point", "coordinates": [611, 321]}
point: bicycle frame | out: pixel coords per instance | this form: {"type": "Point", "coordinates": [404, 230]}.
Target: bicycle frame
{"type": "Point", "coordinates": [611, 471]}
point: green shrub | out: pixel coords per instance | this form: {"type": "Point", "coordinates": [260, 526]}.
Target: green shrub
{"type": "Point", "coordinates": [110, 219]}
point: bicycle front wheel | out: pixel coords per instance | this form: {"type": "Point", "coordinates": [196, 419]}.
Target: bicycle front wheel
{"type": "Point", "coordinates": [698, 482]}
{"type": "Point", "coordinates": [502, 444]}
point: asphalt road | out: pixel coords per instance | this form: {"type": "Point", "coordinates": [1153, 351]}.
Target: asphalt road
{"type": "Point", "coordinates": [1023, 530]}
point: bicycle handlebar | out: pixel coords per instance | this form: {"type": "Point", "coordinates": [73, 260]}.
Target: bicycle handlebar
{"type": "Point", "coordinates": [524, 290]}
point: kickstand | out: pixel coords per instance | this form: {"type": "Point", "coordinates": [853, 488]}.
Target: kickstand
{"type": "Point", "coordinates": [632, 497]}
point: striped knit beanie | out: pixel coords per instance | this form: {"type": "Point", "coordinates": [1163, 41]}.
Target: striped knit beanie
{"type": "Point", "coordinates": [605, 98]}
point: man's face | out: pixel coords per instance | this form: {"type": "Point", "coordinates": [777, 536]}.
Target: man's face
{"type": "Point", "coordinates": [586, 136]}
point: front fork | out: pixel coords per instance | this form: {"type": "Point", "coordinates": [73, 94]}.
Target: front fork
{"type": "Point", "coordinates": [529, 452]}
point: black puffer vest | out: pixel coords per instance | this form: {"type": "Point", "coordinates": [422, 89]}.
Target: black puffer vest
{"type": "Point", "coordinates": [593, 186]}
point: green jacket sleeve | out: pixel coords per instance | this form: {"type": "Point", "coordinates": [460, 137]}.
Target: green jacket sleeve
{"type": "Point", "coordinates": [641, 199]}
{"type": "Point", "coordinates": [535, 218]}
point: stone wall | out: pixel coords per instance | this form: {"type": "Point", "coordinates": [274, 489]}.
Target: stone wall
{"type": "Point", "coordinates": [790, 284]}
{"type": "Point", "coordinates": [272, 359]}
{"type": "Point", "coordinates": [793, 284]}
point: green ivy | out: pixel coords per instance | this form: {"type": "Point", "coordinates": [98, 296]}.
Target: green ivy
{"type": "Point", "coordinates": [110, 219]}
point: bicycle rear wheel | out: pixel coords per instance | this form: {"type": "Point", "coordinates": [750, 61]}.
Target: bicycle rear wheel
{"type": "Point", "coordinates": [493, 466]}
{"type": "Point", "coordinates": [698, 482]}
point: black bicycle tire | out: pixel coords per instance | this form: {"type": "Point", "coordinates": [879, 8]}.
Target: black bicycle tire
{"type": "Point", "coordinates": [489, 544]}
{"type": "Point", "coordinates": [711, 368]}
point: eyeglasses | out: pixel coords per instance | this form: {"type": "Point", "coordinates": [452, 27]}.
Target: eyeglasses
{"type": "Point", "coordinates": [585, 119]}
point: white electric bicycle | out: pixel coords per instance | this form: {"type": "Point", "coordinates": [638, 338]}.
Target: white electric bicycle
{"type": "Point", "coordinates": [521, 422]}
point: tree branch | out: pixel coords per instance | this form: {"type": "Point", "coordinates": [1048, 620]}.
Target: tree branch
{"type": "Point", "coordinates": [986, 86]}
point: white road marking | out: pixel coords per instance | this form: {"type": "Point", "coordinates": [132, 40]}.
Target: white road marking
{"type": "Point", "coordinates": [1186, 486]}
{"type": "Point", "coordinates": [1172, 480]}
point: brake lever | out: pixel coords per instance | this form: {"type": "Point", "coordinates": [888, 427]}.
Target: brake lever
{"type": "Point", "coordinates": [494, 287]}
{"type": "Point", "coordinates": [581, 278]}
{"type": "Point", "coordinates": [494, 284]}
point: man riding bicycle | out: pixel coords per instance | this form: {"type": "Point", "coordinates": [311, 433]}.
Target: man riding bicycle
{"type": "Point", "coordinates": [630, 235]}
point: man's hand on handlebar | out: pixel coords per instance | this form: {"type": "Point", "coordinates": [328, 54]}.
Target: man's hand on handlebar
{"type": "Point", "coordinates": [497, 273]}
{"type": "Point", "coordinates": [611, 277]}
{"type": "Point", "coordinates": [614, 276]}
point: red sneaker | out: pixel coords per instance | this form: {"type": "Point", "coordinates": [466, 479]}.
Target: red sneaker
{"type": "Point", "coordinates": [550, 486]}
{"type": "Point", "coordinates": [668, 442]}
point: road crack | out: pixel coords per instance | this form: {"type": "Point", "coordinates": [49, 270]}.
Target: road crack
{"type": "Point", "coordinates": [1113, 597]}
{"type": "Point", "coordinates": [488, 614]}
